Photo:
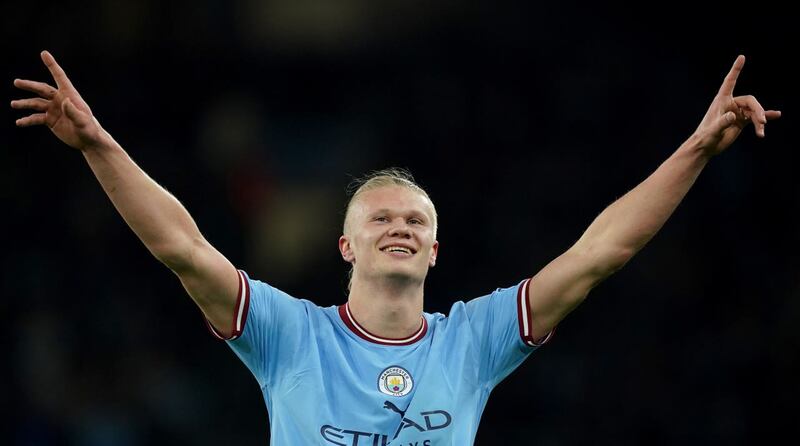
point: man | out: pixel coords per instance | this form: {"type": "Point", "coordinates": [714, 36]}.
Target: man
{"type": "Point", "coordinates": [378, 369]}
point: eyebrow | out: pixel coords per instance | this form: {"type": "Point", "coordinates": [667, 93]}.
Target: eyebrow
{"type": "Point", "coordinates": [415, 213]}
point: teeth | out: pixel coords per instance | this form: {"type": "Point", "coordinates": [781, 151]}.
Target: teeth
{"type": "Point", "coordinates": [397, 249]}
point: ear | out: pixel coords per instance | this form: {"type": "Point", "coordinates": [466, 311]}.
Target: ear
{"type": "Point", "coordinates": [434, 254]}
{"type": "Point", "coordinates": [346, 249]}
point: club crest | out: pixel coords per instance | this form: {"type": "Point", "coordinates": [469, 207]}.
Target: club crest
{"type": "Point", "coordinates": [395, 381]}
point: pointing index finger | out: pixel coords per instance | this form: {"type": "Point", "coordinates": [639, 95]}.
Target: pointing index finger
{"type": "Point", "coordinates": [730, 80]}
{"type": "Point", "coordinates": [55, 70]}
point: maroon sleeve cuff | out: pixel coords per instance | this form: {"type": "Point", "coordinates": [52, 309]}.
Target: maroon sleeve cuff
{"type": "Point", "coordinates": [525, 319]}
{"type": "Point", "coordinates": [240, 311]}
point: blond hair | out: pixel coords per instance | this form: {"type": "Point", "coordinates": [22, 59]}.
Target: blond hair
{"type": "Point", "coordinates": [392, 176]}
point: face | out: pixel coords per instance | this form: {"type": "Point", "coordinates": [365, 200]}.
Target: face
{"type": "Point", "coordinates": [390, 234]}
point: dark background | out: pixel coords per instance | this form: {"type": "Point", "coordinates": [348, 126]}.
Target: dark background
{"type": "Point", "coordinates": [523, 121]}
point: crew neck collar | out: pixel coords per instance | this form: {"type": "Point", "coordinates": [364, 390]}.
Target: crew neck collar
{"type": "Point", "coordinates": [355, 327]}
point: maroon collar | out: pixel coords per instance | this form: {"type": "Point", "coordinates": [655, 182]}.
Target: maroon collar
{"type": "Point", "coordinates": [350, 321]}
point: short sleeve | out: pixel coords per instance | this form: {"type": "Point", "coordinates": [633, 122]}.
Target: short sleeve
{"type": "Point", "coordinates": [273, 326]}
{"type": "Point", "coordinates": [500, 322]}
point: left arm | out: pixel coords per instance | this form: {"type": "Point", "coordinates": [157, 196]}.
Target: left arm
{"type": "Point", "coordinates": [625, 227]}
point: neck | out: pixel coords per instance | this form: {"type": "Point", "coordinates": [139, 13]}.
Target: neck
{"type": "Point", "coordinates": [385, 309]}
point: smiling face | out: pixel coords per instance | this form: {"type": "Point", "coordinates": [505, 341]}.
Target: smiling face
{"type": "Point", "coordinates": [390, 233]}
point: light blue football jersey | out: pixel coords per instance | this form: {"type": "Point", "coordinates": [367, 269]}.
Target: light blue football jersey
{"type": "Point", "coordinates": [328, 381]}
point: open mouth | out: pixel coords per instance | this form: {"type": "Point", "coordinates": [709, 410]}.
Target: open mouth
{"type": "Point", "coordinates": [399, 250]}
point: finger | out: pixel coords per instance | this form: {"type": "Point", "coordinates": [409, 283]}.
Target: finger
{"type": "Point", "coordinates": [753, 111]}
{"type": "Point", "coordinates": [770, 115]}
{"type": "Point", "coordinates": [55, 70]}
{"type": "Point", "coordinates": [730, 80]}
{"type": "Point", "coordinates": [751, 104]}
{"type": "Point", "coordinates": [723, 122]}
{"type": "Point", "coordinates": [35, 119]}
{"type": "Point", "coordinates": [44, 90]}
{"type": "Point", "coordinates": [37, 104]}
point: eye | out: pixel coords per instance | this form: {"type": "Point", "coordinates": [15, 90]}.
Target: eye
{"type": "Point", "coordinates": [382, 218]}
{"type": "Point", "coordinates": [415, 221]}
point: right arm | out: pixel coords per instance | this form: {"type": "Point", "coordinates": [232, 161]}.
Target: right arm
{"type": "Point", "coordinates": [157, 217]}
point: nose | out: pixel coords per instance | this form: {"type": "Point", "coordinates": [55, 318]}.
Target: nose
{"type": "Point", "coordinates": [400, 228]}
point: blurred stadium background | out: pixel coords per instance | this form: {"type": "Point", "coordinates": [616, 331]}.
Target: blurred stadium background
{"type": "Point", "coordinates": [523, 120]}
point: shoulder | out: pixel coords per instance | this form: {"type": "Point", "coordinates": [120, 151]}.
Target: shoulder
{"type": "Point", "coordinates": [465, 308]}
{"type": "Point", "coordinates": [271, 305]}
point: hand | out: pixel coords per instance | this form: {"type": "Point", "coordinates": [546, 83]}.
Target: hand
{"type": "Point", "coordinates": [62, 109]}
{"type": "Point", "coordinates": [728, 115]}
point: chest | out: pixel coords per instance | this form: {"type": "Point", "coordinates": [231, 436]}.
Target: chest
{"type": "Point", "coordinates": [363, 395]}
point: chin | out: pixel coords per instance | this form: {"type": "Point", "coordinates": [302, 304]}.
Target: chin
{"type": "Point", "coordinates": [404, 277]}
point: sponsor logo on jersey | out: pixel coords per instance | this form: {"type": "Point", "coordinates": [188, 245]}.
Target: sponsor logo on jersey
{"type": "Point", "coordinates": [426, 422]}
{"type": "Point", "coordinates": [395, 381]}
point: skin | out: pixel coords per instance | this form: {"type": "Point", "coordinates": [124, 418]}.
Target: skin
{"type": "Point", "coordinates": [626, 226]}
{"type": "Point", "coordinates": [157, 218]}
{"type": "Point", "coordinates": [386, 292]}
{"type": "Point", "coordinates": [394, 281]}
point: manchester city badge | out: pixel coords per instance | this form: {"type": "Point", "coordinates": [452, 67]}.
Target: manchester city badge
{"type": "Point", "coordinates": [395, 381]}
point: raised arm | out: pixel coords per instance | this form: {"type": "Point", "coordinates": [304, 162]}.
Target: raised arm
{"type": "Point", "coordinates": [625, 226]}
{"type": "Point", "coordinates": [157, 218]}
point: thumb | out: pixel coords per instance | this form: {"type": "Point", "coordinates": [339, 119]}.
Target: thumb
{"type": "Point", "coordinates": [73, 113]}
{"type": "Point", "coordinates": [724, 121]}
